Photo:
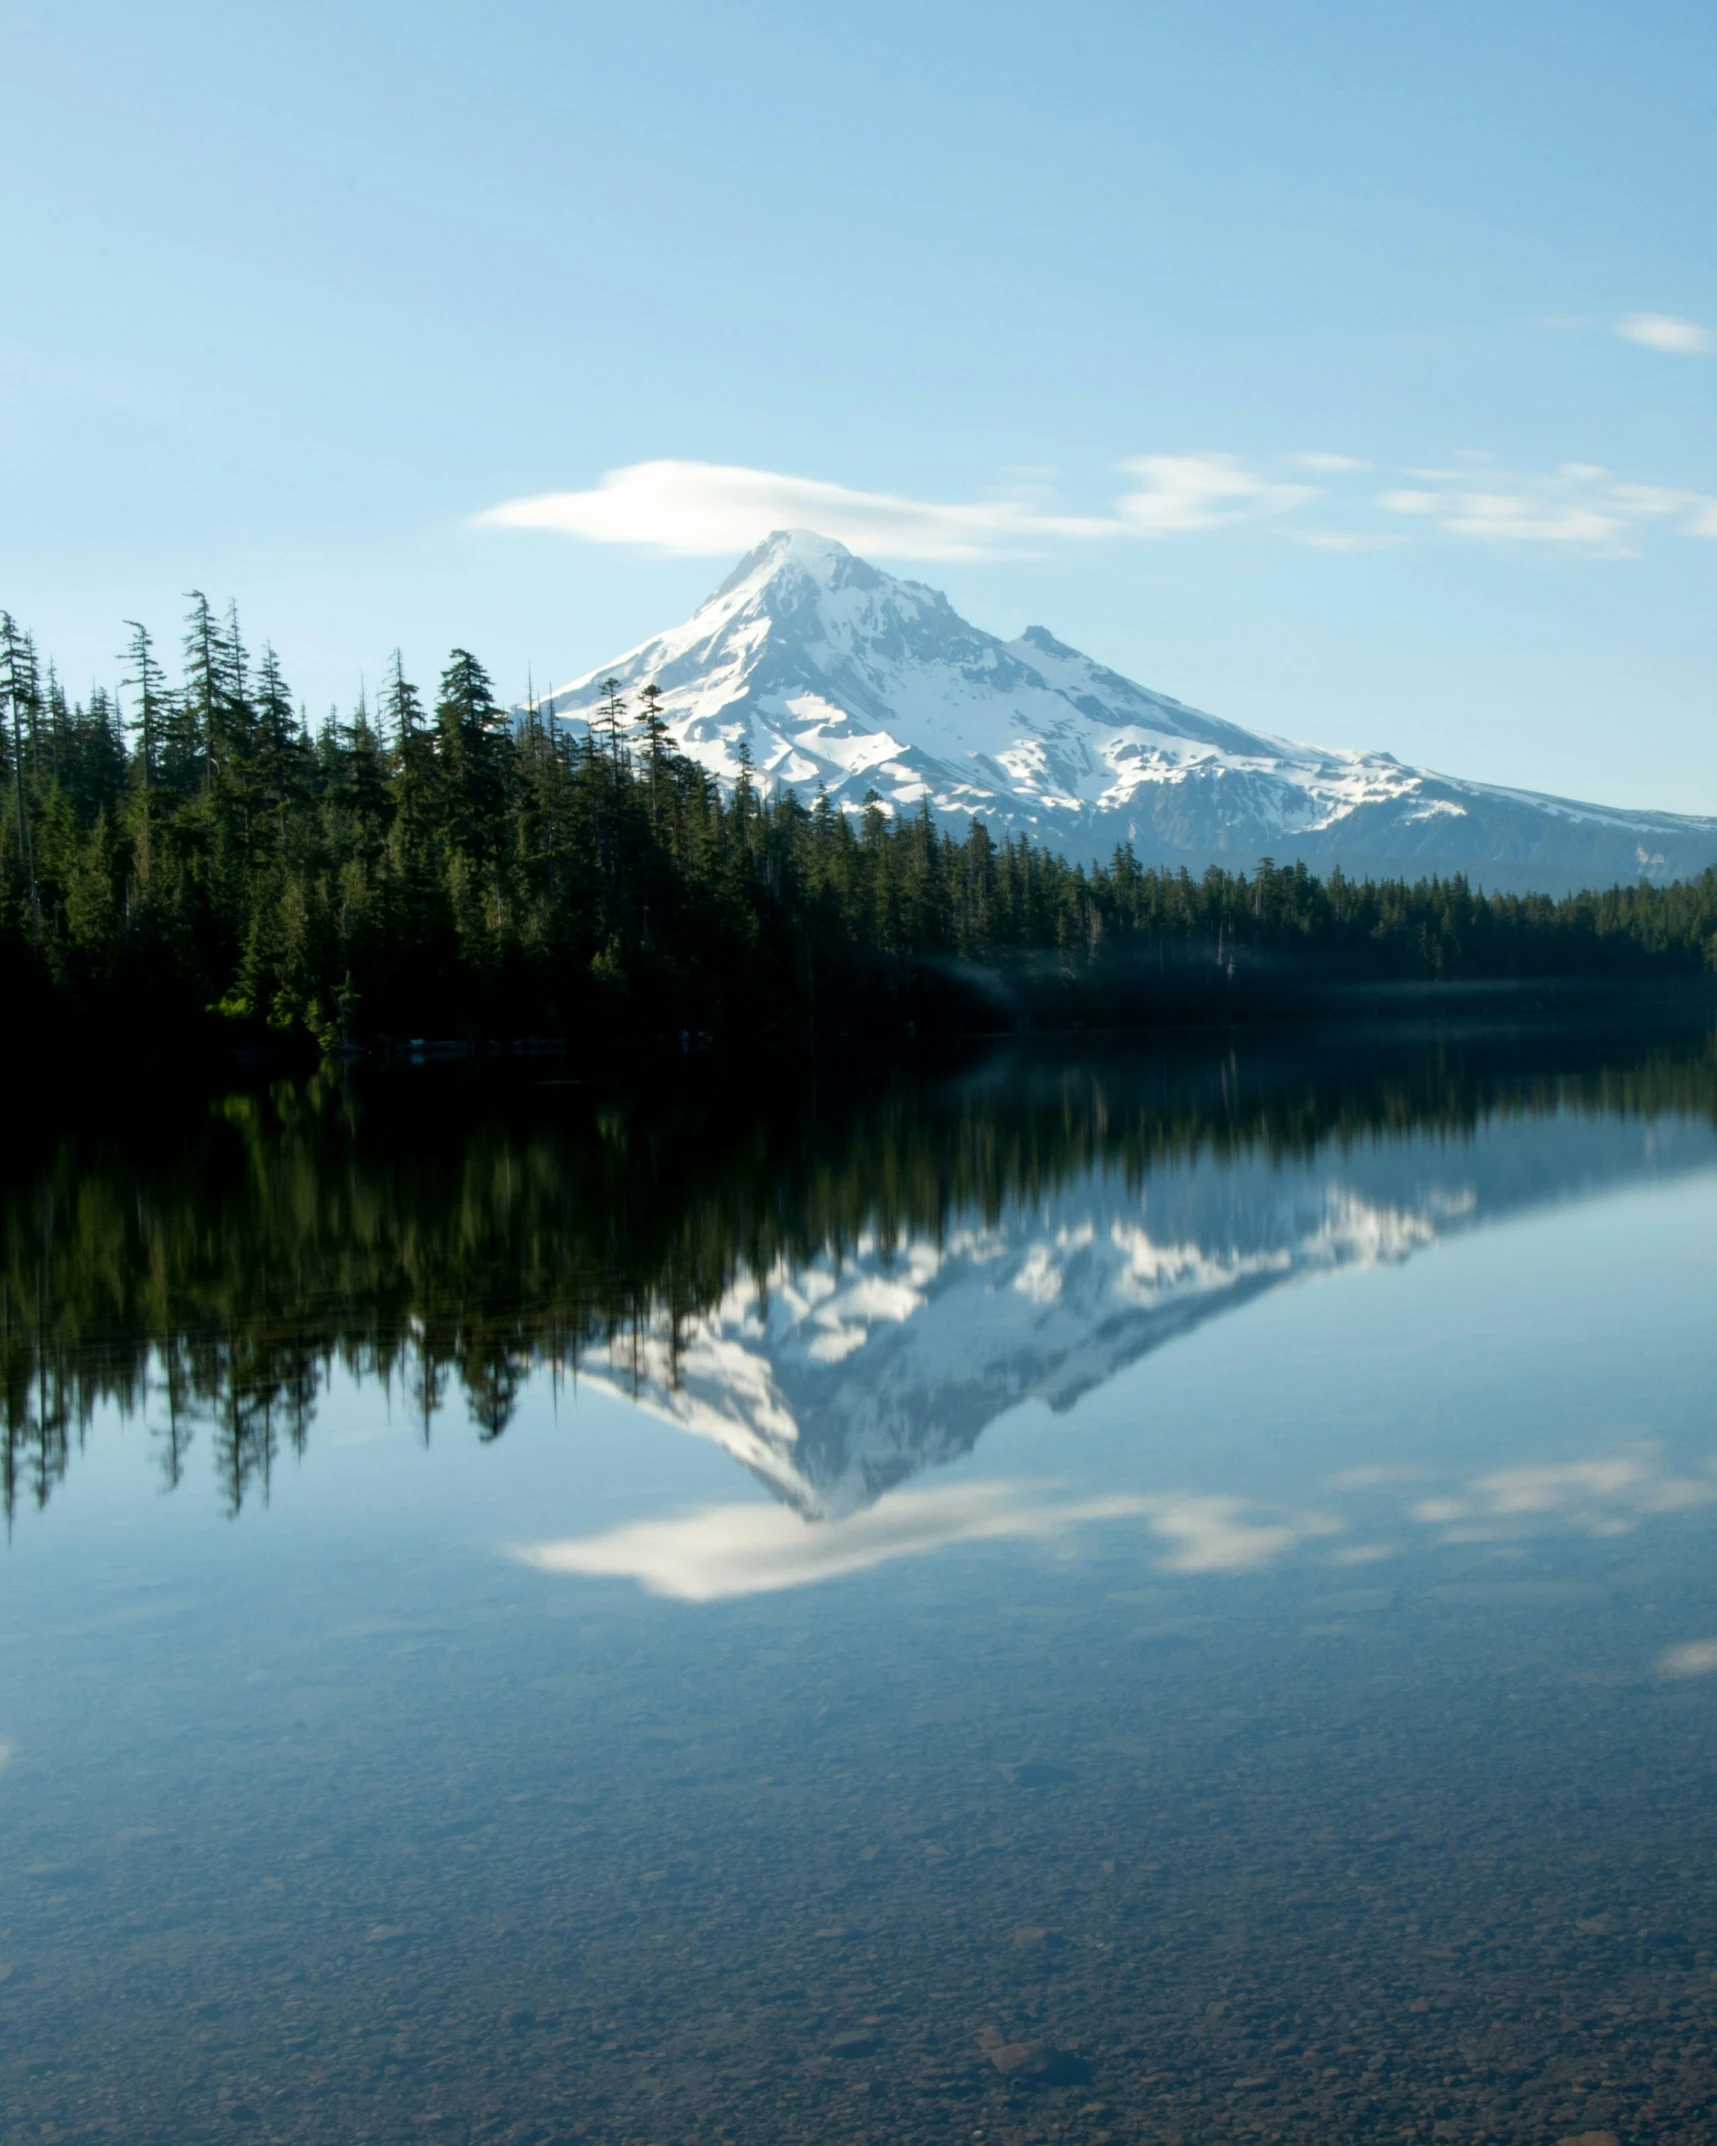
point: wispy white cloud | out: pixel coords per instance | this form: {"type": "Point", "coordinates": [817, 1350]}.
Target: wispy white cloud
{"type": "Point", "coordinates": [1578, 505]}
{"type": "Point", "coordinates": [1652, 331]}
{"type": "Point", "coordinates": [1513, 518]}
{"type": "Point", "coordinates": [1349, 540]}
{"type": "Point", "coordinates": [1664, 331]}
{"type": "Point", "coordinates": [729, 1550]}
{"type": "Point", "coordinates": [710, 509]}
{"type": "Point", "coordinates": [1177, 493]}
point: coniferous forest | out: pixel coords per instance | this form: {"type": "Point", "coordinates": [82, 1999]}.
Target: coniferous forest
{"type": "Point", "coordinates": [186, 864]}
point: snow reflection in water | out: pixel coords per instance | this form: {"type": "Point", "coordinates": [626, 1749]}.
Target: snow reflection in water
{"type": "Point", "coordinates": [834, 1379]}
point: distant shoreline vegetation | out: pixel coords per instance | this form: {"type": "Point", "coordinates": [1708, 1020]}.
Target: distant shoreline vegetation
{"type": "Point", "coordinates": [189, 867]}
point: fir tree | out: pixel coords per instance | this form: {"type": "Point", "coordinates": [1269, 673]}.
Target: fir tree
{"type": "Point", "coordinates": [611, 720]}
{"type": "Point", "coordinates": [19, 681]}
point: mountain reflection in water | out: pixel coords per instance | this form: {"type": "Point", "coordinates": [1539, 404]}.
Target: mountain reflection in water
{"type": "Point", "coordinates": [843, 1289]}
{"type": "Point", "coordinates": [1045, 1736]}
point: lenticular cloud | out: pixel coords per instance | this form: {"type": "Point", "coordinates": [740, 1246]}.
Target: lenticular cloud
{"type": "Point", "coordinates": [706, 509]}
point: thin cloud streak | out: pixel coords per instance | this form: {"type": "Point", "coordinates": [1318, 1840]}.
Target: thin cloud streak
{"type": "Point", "coordinates": [1178, 493]}
{"type": "Point", "coordinates": [712, 509]}
{"type": "Point", "coordinates": [709, 509]}
{"type": "Point", "coordinates": [1607, 1494]}
{"type": "Point", "coordinates": [1665, 332]}
{"type": "Point", "coordinates": [725, 1551]}
{"type": "Point", "coordinates": [722, 1552]}
{"type": "Point", "coordinates": [1579, 505]}
{"type": "Point", "coordinates": [1348, 540]}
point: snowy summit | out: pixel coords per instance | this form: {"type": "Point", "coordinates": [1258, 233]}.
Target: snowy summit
{"type": "Point", "coordinates": [838, 675]}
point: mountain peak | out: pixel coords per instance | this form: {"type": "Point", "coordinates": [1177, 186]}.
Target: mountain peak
{"type": "Point", "coordinates": [822, 559]}
{"type": "Point", "coordinates": [825, 673]}
{"type": "Point", "coordinates": [805, 545]}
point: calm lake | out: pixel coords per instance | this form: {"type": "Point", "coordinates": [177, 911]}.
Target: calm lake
{"type": "Point", "coordinates": [1117, 1595]}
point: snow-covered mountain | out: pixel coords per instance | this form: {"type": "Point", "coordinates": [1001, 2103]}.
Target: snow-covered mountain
{"type": "Point", "coordinates": [836, 674]}
{"type": "Point", "coordinates": [842, 1377]}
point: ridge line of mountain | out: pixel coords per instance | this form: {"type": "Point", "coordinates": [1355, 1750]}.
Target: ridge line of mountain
{"type": "Point", "coordinates": [831, 675]}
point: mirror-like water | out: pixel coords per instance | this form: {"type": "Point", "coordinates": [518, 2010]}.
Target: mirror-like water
{"type": "Point", "coordinates": [1106, 1597]}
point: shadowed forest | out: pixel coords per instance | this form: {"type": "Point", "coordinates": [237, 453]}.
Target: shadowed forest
{"type": "Point", "coordinates": [188, 865]}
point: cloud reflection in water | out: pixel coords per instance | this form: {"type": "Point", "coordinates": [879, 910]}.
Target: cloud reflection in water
{"type": "Point", "coordinates": [728, 1550]}
{"type": "Point", "coordinates": [1697, 1658]}
{"type": "Point", "coordinates": [1605, 1495]}
{"type": "Point", "coordinates": [723, 1551]}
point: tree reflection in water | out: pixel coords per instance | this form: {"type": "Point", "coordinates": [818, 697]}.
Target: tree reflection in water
{"type": "Point", "coordinates": [208, 1266]}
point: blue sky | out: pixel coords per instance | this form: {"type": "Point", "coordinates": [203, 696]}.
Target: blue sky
{"type": "Point", "coordinates": [1345, 370]}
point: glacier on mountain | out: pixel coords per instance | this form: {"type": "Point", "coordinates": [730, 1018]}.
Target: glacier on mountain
{"type": "Point", "coordinates": [830, 674]}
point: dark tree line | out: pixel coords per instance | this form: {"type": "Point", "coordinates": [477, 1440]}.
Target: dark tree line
{"type": "Point", "coordinates": [189, 860]}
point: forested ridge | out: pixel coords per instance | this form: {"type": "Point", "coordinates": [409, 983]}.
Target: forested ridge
{"type": "Point", "coordinates": [190, 863]}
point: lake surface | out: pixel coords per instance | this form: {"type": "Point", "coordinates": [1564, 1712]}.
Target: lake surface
{"type": "Point", "coordinates": [1127, 1595]}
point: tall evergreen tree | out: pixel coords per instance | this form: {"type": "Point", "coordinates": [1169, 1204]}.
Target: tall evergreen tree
{"type": "Point", "coordinates": [148, 684]}
{"type": "Point", "coordinates": [611, 719]}
{"type": "Point", "coordinates": [654, 726]}
{"type": "Point", "coordinates": [20, 683]}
